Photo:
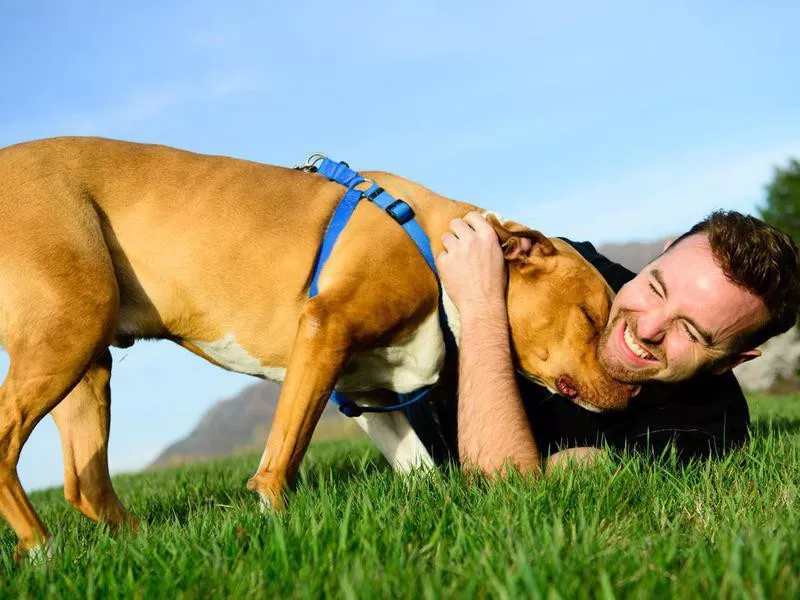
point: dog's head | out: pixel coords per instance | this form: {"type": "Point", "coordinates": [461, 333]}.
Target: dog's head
{"type": "Point", "coordinates": [558, 305]}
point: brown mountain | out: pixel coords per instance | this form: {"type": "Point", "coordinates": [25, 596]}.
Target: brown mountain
{"type": "Point", "coordinates": [633, 255]}
{"type": "Point", "coordinates": [241, 424]}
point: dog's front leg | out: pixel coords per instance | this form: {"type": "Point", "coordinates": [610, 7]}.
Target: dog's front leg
{"type": "Point", "coordinates": [320, 350]}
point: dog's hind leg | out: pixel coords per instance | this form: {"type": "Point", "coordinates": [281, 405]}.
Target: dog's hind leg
{"type": "Point", "coordinates": [60, 302]}
{"type": "Point", "coordinates": [44, 368]}
{"type": "Point", "coordinates": [83, 420]}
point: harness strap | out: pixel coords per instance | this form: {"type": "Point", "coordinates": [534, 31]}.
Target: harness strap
{"type": "Point", "coordinates": [400, 211]}
{"type": "Point", "coordinates": [340, 172]}
{"type": "Point", "coordinates": [340, 218]}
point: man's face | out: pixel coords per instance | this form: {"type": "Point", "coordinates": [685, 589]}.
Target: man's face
{"type": "Point", "coordinates": [678, 316]}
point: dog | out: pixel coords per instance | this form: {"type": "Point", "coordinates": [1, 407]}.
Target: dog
{"type": "Point", "coordinates": [104, 242]}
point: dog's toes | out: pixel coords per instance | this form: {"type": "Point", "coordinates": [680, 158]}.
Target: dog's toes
{"type": "Point", "coordinates": [37, 555]}
{"type": "Point", "coordinates": [132, 523]}
{"type": "Point", "coordinates": [266, 506]}
{"type": "Point", "coordinates": [271, 496]}
{"type": "Point", "coordinates": [126, 522]}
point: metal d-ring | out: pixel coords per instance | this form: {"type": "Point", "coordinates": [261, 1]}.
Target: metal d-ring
{"type": "Point", "coordinates": [311, 162]}
{"type": "Point", "coordinates": [366, 181]}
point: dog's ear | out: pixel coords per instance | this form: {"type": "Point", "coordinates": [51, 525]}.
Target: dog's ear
{"type": "Point", "coordinates": [519, 242]}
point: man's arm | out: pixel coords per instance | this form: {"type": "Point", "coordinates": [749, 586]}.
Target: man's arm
{"type": "Point", "coordinates": [492, 425]}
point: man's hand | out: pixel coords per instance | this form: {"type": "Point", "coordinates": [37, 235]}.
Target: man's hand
{"type": "Point", "coordinates": [579, 457]}
{"type": "Point", "coordinates": [472, 268]}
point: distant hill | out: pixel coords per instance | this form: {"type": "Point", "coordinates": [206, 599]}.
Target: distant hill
{"type": "Point", "coordinates": [241, 424]}
{"type": "Point", "coordinates": [633, 255]}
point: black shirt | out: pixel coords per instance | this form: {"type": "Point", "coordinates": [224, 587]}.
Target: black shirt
{"type": "Point", "coordinates": [700, 417]}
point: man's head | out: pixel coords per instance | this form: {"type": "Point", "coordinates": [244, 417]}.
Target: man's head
{"type": "Point", "coordinates": [717, 292]}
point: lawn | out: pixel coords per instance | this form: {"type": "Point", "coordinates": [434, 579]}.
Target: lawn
{"type": "Point", "coordinates": [621, 529]}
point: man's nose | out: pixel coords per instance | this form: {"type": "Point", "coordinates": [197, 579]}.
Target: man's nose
{"type": "Point", "coordinates": [651, 326]}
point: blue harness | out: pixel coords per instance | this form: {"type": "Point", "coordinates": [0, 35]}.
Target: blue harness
{"type": "Point", "coordinates": [400, 211]}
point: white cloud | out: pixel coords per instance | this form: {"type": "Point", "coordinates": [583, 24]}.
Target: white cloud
{"type": "Point", "coordinates": [664, 198]}
{"type": "Point", "coordinates": [140, 105]}
{"type": "Point", "coordinates": [235, 83]}
{"type": "Point", "coordinates": [148, 103]}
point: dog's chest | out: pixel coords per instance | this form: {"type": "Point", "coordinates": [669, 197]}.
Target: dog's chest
{"type": "Point", "coordinates": [404, 367]}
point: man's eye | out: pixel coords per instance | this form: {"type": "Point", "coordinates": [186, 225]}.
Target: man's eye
{"type": "Point", "coordinates": [690, 334]}
{"type": "Point", "coordinates": [653, 288]}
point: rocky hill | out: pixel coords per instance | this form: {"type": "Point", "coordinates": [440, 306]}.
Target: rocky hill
{"type": "Point", "coordinates": [241, 423]}
{"type": "Point", "coordinates": [633, 255]}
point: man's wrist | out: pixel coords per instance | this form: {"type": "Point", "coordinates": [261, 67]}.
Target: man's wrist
{"type": "Point", "coordinates": [484, 314]}
{"type": "Point", "coordinates": [489, 326]}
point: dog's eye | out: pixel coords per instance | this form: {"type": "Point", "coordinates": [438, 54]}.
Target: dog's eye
{"type": "Point", "coordinates": [589, 318]}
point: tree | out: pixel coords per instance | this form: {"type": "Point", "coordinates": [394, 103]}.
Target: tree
{"type": "Point", "coordinates": [782, 209]}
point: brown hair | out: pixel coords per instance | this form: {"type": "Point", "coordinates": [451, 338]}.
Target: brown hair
{"type": "Point", "coordinates": [759, 258]}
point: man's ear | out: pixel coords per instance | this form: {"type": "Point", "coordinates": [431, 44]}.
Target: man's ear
{"type": "Point", "coordinates": [520, 242]}
{"type": "Point", "coordinates": [735, 361]}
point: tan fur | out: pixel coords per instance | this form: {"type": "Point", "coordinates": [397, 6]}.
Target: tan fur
{"type": "Point", "coordinates": [106, 242]}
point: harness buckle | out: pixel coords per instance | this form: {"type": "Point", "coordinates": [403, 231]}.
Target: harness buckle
{"type": "Point", "coordinates": [400, 211]}
{"type": "Point", "coordinates": [351, 410]}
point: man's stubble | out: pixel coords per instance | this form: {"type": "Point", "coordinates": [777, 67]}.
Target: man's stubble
{"type": "Point", "coordinates": [620, 371]}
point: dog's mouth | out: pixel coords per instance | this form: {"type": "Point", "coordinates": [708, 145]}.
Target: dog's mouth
{"type": "Point", "coordinates": [567, 387]}
{"type": "Point", "coordinates": [564, 385]}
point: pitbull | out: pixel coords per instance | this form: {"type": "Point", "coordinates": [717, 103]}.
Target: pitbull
{"type": "Point", "coordinates": [104, 242]}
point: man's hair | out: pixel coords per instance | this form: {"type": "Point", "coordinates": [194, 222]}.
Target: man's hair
{"type": "Point", "coordinates": [760, 259]}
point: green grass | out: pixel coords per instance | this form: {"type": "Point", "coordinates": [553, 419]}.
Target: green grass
{"type": "Point", "coordinates": [627, 529]}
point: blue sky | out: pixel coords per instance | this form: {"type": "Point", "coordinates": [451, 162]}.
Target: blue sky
{"type": "Point", "coordinates": [601, 121]}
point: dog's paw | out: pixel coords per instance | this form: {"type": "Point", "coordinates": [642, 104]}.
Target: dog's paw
{"type": "Point", "coordinates": [265, 505]}
{"type": "Point", "coordinates": [37, 555]}
{"type": "Point", "coordinates": [270, 494]}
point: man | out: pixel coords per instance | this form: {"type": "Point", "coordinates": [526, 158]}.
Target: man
{"type": "Point", "coordinates": [677, 328]}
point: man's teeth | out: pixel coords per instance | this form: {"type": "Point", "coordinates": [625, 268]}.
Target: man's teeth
{"type": "Point", "coordinates": [634, 347]}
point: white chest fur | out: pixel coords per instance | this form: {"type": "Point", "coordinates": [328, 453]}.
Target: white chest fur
{"type": "Point", "coordinates": [414, 362]}
{"type": "Point", "coordinates": [230, 354]}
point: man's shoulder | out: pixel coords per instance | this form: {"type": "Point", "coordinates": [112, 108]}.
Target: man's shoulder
{"type": "Point", "coordinates": [704, 394]}
{"type": "Point", "coordinates": [707, 413]}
